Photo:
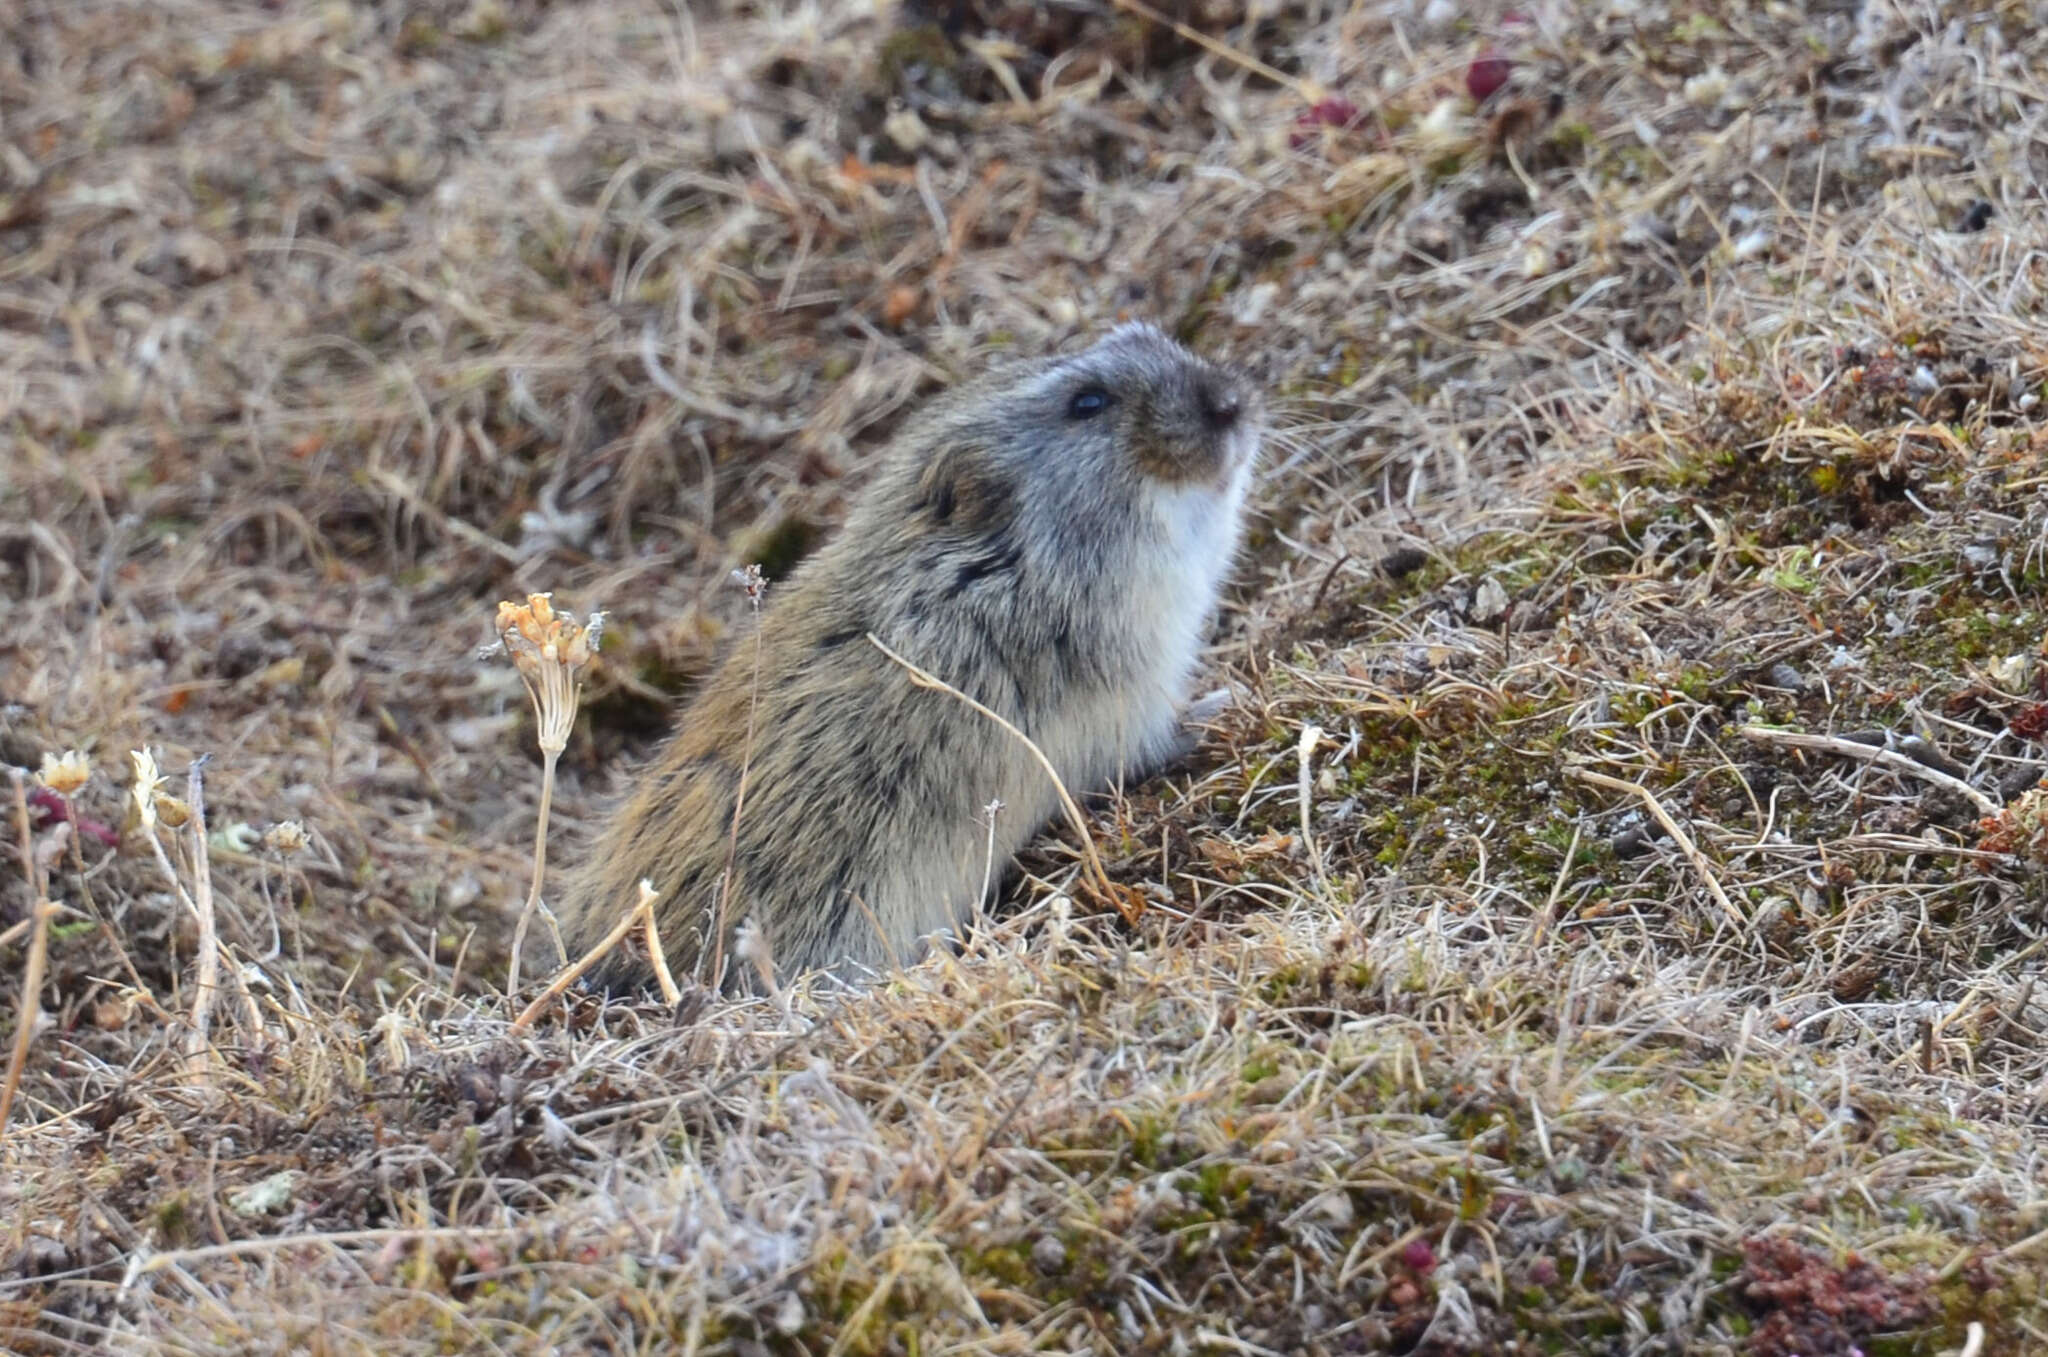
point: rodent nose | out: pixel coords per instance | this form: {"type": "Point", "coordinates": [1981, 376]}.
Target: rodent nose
{"type": "Point", "coordinates": [1220, 406]}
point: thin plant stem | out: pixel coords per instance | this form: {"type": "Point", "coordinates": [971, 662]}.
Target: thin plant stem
{"type": "Point", "coordinates": [1306, 90]}
{"type": "Point", "coordinates": [670, 992]}
{"type": "Point", "coordinates": [739, 804]}
{"type": "Point", "coordinates": [1093, 860]}
{"type": "Point", "coordinates": [93, 906]}
{"type": "Point", "coordinates": [540, 864]}
{"type": "Point", "coordinates": [1686, 847]}
{"type": "Point", "coordinates": [207, 981]}
{"type": "Point", "coordinates": [988, 862]}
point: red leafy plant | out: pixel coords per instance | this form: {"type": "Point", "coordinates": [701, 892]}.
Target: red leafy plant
{"type": "Point", "coordinates": [2020, 829]}
{"type": "Point", "coordinates": [1810, 1307]}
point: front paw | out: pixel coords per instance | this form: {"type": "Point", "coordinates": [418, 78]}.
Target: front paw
{"type": "Point", "coordinates": [1186, 736]}
{"type": "Point", "coordinates": [1204, 710]}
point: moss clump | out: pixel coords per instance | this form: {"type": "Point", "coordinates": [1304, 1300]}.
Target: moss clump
{"type": "Point", "coordinates": [920, 45]}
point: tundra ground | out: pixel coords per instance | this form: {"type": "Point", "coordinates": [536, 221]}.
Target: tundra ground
{"type": "Point", "coordinates": [1609, 922]}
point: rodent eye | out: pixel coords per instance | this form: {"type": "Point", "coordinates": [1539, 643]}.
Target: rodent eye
{"type": "Point", "coordinates": [1088, 403]}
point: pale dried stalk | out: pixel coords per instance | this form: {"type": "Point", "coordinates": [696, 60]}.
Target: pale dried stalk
{"type": "Point", "coordinates": [207, 982]}
{"type": "Point", "coordinates": [1305, 750]}
{"type": "Point", "coordinates": [751, 580]}
{"type": "Point", "coordinates": [1678, 836]}
{"type": "Point", "coordinates": [1870, 753]}
{"type": "Point", "coordinates": [540, 865]}
{"type": "Point", "coordinates": [548, 648]}
{"type": "Point", "coordinates": [41, 911]}
{"type": "Point", "coordinates": [252, 1014]}
{"type": "Point", "coordinates": [642, 915]}
{"type": "Point", "coordinates": [670, 992]}
{"type": "Point", "coordinates": [1307, 90]}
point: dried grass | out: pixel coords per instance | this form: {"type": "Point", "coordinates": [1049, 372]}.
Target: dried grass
{"type": "Point", "coordinates": [1628, 430]}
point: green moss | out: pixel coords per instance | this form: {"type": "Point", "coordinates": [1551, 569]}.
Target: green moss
{"type": "Point", "coordinates": [921, 45]}
{"type": "Point", "coordinates": [176, 1221]}
{"type": "Point", "coordinates": [1572, 135]}
{"type": "Point", "coordinates": [1220, 1187]}
{"type": "Point", "coordinates": [417, 37]}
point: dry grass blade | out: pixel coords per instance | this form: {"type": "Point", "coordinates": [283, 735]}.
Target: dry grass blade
{"type": "Point", "coordinates": [1307, 90]}
{"type": "Point", "coordinates": [671, 993]}
{"type": "Point", "coordinates": [1124, 900]}
{"type": "Point", "coordinates": [1865, 753]}
{"type": "Point", "coordinates": [1686, 846]}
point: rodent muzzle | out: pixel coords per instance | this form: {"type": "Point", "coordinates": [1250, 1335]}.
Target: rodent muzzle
{"type": "Point", "coordinates": [1189, 421]}
{"type": "Point", "coordinates": [1220, 406]}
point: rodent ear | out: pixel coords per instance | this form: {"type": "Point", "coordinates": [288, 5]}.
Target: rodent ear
{"type": "Point", "coordinates": [958, 489]}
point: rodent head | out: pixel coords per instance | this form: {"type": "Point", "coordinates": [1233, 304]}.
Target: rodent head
{"type": "Point", "coordinates": [1135, 416]}
{"type": "Point", "coordinates": [1136, 394]}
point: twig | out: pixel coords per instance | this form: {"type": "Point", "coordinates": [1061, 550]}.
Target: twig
{"type": "Point", "coordinates": [1074, 817]}
{"type": "Point", "coordinates": [1678, 836]}
{"type": "Point", "coordinates": [659, 955]}
{"type": "Point", "coordinates": [640, 914]}
{"type": "Point", "coordinates": [41, 910]}
{"type": "Point", "coordinates": [1564, 871]}
{"type": "Point", "coordinates": [2032, 1244]}
{"type": "Point", "coordinates": [1885, 758]}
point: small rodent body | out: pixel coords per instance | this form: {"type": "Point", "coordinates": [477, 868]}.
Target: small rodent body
{"type": "Point", "coordinates": [1049, 538]}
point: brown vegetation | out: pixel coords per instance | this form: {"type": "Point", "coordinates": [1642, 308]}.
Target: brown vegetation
{"type": "Point", "coordinates": [1611, 924]}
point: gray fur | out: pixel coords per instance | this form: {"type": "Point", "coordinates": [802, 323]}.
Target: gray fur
{"type": "Point", "coordinates": [1061, 570]}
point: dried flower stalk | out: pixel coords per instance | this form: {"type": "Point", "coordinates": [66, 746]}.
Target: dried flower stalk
{"type": "Point", "coordinates": [549, 649]}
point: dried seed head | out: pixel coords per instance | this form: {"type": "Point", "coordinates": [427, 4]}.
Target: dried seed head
{"type": "Point", "coordinates": [147, 781]}
{"type": "Point", "coordinates": [172, 810]}
{"type": "Point", "coordinates": [750, 945]}
{"type": "Point", "coordinates": [286, 838]}
{"type": "Point", "coordinates": [754, 582]}
{"type": "Point", "coordinates": [548, 648]}
{"type": "Point", "coordinates": [64, 773]}
{"type": "Point", "coordinates": [391, 1028]}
